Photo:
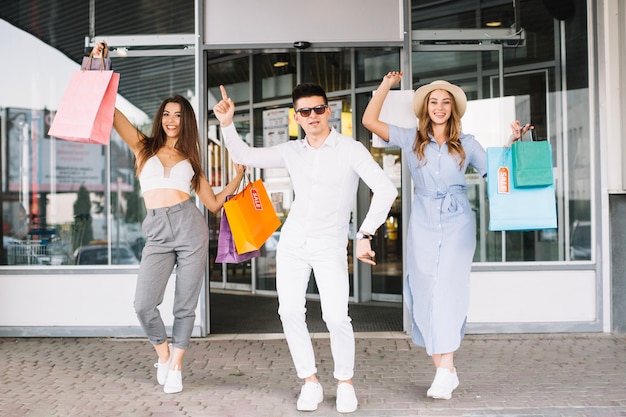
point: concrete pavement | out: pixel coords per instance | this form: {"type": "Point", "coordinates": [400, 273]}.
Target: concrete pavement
{"type": "Point", "coordinates": [252, 375]}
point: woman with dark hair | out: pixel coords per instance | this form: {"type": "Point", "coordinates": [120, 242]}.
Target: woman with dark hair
{"type": "Point", "coordinates": [442, 227]}
{"type": "Point", "coordinates": [168, 166]}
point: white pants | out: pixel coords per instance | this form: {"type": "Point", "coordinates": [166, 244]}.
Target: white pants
{"type": "Point", "coordinates": [329, 263]}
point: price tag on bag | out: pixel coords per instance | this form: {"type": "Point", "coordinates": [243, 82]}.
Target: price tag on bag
{"type": "Point", "coordinates": [504, 180]}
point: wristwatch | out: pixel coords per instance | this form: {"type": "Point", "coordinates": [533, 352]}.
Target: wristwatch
{"type": "Point", "coordinates": [361, 235]}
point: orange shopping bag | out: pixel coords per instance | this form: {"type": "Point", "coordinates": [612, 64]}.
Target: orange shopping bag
{"type": "Point", "coordinates": [251, 217]}
{"type": "Point", "coordinates": [86, 110]}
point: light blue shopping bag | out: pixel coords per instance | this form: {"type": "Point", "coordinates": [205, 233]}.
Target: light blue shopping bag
{"type": "Point", "coordinates": [512, 208]}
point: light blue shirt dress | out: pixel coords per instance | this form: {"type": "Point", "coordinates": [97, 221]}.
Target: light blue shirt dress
{"type": "Point", "coordinates": [441, 240]}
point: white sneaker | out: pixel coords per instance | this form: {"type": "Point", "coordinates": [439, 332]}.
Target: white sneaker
{"type": "Point", "coordinates": [163, 368]}
{"type": "Point", "coordinates": [174, 381]}
{"type": "Point", "coordinates": [346, 398]}
{"type": "Point", "coordinates": [311, 395]}
{"type": "Point", "coordinates": [444, 383]}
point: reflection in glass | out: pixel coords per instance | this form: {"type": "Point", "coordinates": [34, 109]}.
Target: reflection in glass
{"type": "Point", "coordinates": [274, 75]}
{"type": "Point", "coordinates": [373, 65]}
{"type": "Point", "coordinates": [67, 203]}
{"type": "Point", "coordinates": [388, 242]}
{"type": "Point", "coordinates": [53, 192]}
{"type": "Point", "coordinates": [234, 74]}
{"type": "Point", "coordinates": [331, 70]}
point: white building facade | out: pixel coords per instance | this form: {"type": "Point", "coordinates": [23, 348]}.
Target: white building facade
{"type": "Point", "coordinates": [558, 65]}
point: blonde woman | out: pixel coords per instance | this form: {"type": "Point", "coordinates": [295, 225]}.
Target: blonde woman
{"type": "Point", "coordinates": [442, 227]}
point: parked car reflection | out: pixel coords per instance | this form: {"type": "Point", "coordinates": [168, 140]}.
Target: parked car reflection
{"type": "Point", "coordinates": [98, 254]}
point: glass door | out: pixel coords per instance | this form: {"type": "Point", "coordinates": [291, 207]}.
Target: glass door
{"type": "Point", "coordinates": [386, 275]}
{"type": "Point", "coordinates": [232, 72]}
{"type": "Point", "coordinates": [225, 275]}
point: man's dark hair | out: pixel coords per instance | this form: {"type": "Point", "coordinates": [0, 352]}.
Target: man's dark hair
{"type": "Point", "coordinates": [308, 90]}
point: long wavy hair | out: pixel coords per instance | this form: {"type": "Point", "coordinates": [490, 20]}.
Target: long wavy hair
{"type": "Point", "coordinates": [453, 133]}
{"type": "Point", "coordinates": [188, 139]}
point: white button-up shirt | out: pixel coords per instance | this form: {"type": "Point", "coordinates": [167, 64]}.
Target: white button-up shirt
{"type": "Point", "coordinates": [325, 181]}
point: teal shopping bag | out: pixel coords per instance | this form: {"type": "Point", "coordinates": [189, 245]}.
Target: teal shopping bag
{"type": "Point", "coordinates": [516, 208]}
{"type": "Point", "coordinates": [532, 163]}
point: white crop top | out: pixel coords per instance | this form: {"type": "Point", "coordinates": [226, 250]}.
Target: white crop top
{"type": "Point", "coordinates": [155, 176]}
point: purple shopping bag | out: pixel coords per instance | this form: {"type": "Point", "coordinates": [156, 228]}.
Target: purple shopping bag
{"type": "Point", "coordinates": [226, 250]}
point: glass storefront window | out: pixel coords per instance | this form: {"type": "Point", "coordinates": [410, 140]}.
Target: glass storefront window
{"type": "Point", "coordinates": [373, 65]}
{"type": "Point", "coordinates": [39, 227]}
{"type": "Point", "coordinates": [56, 204]}
{"type": "Point", "coordinates": [69, 203]}
{"type": "Point", "coordinates": [385, 279]}
{"type": "Point", "coordinates": [552, 97]}
{"type": "Point", "coordinates": [388, 242]}
{"type": "Point", "coordinates": [234, 74]}
{"type": "Point", "coordinates": [331, 70]}
{"type": "Point", "coordinates": [274, 76]}
{"type": "Point", "coordinates": [533, 30]}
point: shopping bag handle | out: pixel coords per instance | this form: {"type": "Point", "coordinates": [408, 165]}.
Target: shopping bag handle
{"type": "Point", "coordinates": [244, 182]}
{"type": "Point", "coordinates": [533, 135]}
{"type": "Point", "coordinates": [105, 54]}
{"type": "Point", "coordinates": [248, 182]}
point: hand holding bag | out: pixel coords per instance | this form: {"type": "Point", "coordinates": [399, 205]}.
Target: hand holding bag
{"type": "Point", "coordinates": [512, 207]}
{"type": "Point", "coordinates": [95, 64]}
{"type": "Point", "coordinates": [226, 250]}
{"type": "Point", "coordinates": [86, 111]}
{"type": "Point", "coordinates": [251, 217]}
{"type": "Point", "coordinates": [532, 163]}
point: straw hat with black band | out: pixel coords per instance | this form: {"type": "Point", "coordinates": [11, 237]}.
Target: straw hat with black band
{"type": "Point", "coordinates": [459, 96]}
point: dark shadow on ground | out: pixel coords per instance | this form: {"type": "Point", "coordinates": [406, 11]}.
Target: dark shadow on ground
{"type": "Point", "coordinates": [245, 313]}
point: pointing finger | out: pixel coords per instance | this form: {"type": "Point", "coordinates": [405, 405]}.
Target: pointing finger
{"type": "Point", "coordinates": [223, 90]}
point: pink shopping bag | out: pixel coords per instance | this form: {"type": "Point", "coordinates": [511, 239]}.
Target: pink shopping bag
{"type": "Point", "coordinates": [86, 110]}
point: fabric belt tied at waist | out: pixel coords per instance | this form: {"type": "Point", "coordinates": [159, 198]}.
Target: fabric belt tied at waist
{"type": "Point", "coordinates": [450, 203]}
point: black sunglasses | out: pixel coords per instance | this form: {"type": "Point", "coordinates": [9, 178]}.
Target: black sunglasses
{"type": "Point", "coordinates": [306, 111]}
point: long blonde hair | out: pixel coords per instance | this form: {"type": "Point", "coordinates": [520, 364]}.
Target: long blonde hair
{"type": "Point", "coordinates": [453, 133]}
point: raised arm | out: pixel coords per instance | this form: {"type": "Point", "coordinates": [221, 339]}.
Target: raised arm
{"type": "Point", "coordinates": [371, 115]}
{"type": "Point", "coordinates": [214, 202]}
{"type": "Point", "coordinates": [517, 131]}
{"type": "Point", "coordinates": [129, 133]}
{"type": "Point", "coordinates": [241, 152]}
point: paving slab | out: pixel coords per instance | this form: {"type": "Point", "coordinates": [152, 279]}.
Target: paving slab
{"type": "Point", "coordinates": [522, 375]}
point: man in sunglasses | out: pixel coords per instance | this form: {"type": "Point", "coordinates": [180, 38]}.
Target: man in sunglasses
{"type": "Point", "coordinates": [325, 168]}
